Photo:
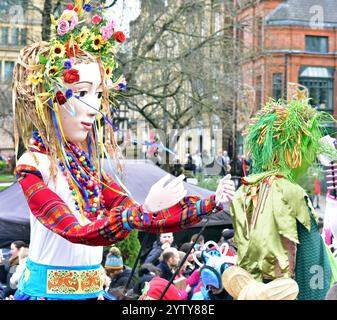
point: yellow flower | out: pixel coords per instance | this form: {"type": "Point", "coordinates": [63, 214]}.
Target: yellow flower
{"type": "Point", "coordinates": [82, 36]}
{"type": "Point", "coordinates": [52, 71]}
{"type": "Point", "coordinates": [108, 72]}
{"type": "Point", "coordinates": [84, 33]}
{"type": "Point", "coordinates": [97, 42]}
{"type": "Point", "coordinates": [34, 79]}
{"type": "Point", "coordinates": [58, 49]}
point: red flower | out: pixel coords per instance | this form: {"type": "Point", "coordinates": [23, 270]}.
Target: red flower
{"type": "Point", "coordinates": [70, 6]}
{"type": "Point", "coordinates": [72, 50]}
{"type": "Point", "coordinates": [76, 9]}
{"type": "Point", "coordinates": [71, 76]}
{"type": "Point", "coordinates": [60, 98]}
{"type": "Point", "coordinates": [119, 36]}
{"type": "Point", "coordinates": [96, 19]}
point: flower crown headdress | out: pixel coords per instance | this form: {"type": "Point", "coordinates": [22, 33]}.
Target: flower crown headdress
{"type": "Point", "coordinates": [71, 34]}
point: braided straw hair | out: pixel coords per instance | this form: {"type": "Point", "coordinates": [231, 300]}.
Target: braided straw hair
{"type": "Point", "coordinates": [284, 135]}
{"type": "Point", "coordinates": [33, 112]}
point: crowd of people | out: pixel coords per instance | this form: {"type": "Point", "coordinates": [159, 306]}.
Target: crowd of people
{"type": "Point", "coordinates": [158, 266]}
{"type": "Point", "coordinates": [204, 163]}
{"type": "Point", "coordinates": [160, 262]}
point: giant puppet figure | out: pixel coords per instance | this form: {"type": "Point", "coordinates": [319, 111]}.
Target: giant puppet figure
{"type": "Point", "coordinates": [275, 224]}
{"type": "Point", "coordinates": [60, 88]}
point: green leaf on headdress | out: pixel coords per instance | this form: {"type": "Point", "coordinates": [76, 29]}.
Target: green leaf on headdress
{"type": "Point", "coordinates": [43, 59]}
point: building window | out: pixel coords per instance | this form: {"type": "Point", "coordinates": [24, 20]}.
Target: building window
{"type": "Point", "coordinates": [4, 35]}
{"type": "Point", "coordinates": [23, 37]}
{"type": "Point", "coordinates": [320, 92]}
{"type": "Point", "coordinates": [9, 65]}
{"type": "Point", "coordinates": [259, 32]}
{"type": "Point", "coordinates": [15, 37]}
{"type": "Point", "coordinates": [277, 86]}
{"type": "Point", "coordinates": [317, 44]}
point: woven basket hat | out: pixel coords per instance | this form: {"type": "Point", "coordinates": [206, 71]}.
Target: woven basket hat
{"type": "Point", "coordinates": [281, 289]}
{"type": "Point", "coordinates": [234, 279]}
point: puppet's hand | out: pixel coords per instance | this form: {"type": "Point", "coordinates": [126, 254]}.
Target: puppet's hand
{"type": "Point", "coordinates": [163, 197]}
{"type": "Point", "coordinates": [225, 190]}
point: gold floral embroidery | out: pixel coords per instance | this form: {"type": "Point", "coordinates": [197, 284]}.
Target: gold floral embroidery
{"type": "Point", "coordinates": [74, 281]}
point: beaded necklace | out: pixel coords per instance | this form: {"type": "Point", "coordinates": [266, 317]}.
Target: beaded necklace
{"type": "Point", "coordinates": [84, 174]}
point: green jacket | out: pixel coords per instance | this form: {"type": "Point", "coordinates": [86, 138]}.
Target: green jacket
{"type": "Point", "coordinates": [261, 227]}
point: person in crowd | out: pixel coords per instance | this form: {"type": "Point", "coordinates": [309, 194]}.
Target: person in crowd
{"type": "Point", "coordinates": [197, 161]}
{"type": "Point", "coordinates": [200, 242]}
{"type": "Point", "coordinates": [154, 289]}
{"type": "Point", "coordinates": [147, 271]}
{"type": "Point", "coordinates": [116, 270]}
{"type": "Point", "coordinates": [190, 167]}
{"type": "Point", "coordinates": [224, 161]}
{"type": "Point", "coordinates": [320, 224]}
{"type": "Point", "coordinates": [22, 255]}
{"type": "Point", "coordinates": [186, 269]}
{"type": "Point", "coordinates": [156, 158]}
{"type": "Point", "coordinates": [227, 236]}
{"type": "Point", "coordinates": [177, 168]}
{"type": "Point", "coordinates": [9, 270]}
{"type": "Point", "coordinates": [165, 241]}
{"type": "Point", "coordinates": [169, 261]}
{"type": "Point", "coordinates": [186, 247]}
{"type": "Point", "coordinates": [317, 192]}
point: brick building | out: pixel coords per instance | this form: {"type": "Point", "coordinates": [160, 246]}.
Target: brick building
{"type": "Point", "coordinates": [290, 41]}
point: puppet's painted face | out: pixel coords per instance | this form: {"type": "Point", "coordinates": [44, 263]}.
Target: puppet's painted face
{"type": "Point", "coordinates": [78, 115]}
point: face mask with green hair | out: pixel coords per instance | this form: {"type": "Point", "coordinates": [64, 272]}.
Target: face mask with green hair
{"type": "Point", "coordinates": [284, 136]}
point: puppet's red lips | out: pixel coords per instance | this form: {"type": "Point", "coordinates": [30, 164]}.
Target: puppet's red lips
{"type": "Point", "coordinates": [86, 125]}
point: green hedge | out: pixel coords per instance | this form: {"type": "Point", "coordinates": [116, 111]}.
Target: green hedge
{"type": "Point", "coordinates": [129, 248]}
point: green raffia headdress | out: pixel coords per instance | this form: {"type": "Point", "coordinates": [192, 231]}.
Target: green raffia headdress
{"type": "Point", "coordinates": [283, 135]}
{"type": "Point", "coordinates": [82, 34]}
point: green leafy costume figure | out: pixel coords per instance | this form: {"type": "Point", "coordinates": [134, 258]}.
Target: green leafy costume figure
{"type": "Point", "coordinates": [275, 223]}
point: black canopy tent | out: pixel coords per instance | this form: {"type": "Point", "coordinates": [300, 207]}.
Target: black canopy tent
{"type": "Point", "coordinates": [140, 175]}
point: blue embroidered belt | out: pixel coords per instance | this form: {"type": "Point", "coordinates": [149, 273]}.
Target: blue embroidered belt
{"type": "Point", "coordinates": [79, 282]}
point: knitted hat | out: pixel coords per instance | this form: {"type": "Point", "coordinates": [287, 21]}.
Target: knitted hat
{"type": "Point", "coordinates": [114, 262]}
{"type": "Point", "coordinates": [154, 289]}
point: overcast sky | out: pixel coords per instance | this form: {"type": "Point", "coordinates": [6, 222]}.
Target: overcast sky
{"type": "Point", "coordinates": [125, 11]}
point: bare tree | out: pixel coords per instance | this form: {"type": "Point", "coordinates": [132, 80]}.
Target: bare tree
{"type": "Point", "coordinates": [180, 67]}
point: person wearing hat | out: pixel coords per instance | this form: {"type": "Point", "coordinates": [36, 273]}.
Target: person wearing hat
{"type": "Point", "coordinates": [154, 289]}
{"type": "Point", "coordinates": [116, 270]}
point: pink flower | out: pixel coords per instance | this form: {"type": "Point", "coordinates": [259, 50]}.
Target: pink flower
{"type": "Point", "coordinates": [63, 27]}
{"type": "Point", "coordinates": [96, 19]}
{"type": "Point", "coordinates": [107, 32]}
{"type": "Point", "coordinates": [112, 23]}
{"type": "Point", "coordinates": [73, 21]}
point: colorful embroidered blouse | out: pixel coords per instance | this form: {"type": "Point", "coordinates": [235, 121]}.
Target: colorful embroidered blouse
{"type": "Point", "coordinates": [123, 213]}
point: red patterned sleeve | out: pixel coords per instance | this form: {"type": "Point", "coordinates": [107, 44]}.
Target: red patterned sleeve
{"type": "Point", "coordinates": [124, 214]}
{"type": "Point", "coordinates": [190, 210]}
{"type": "Point", "coordinates": [54, 214]}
